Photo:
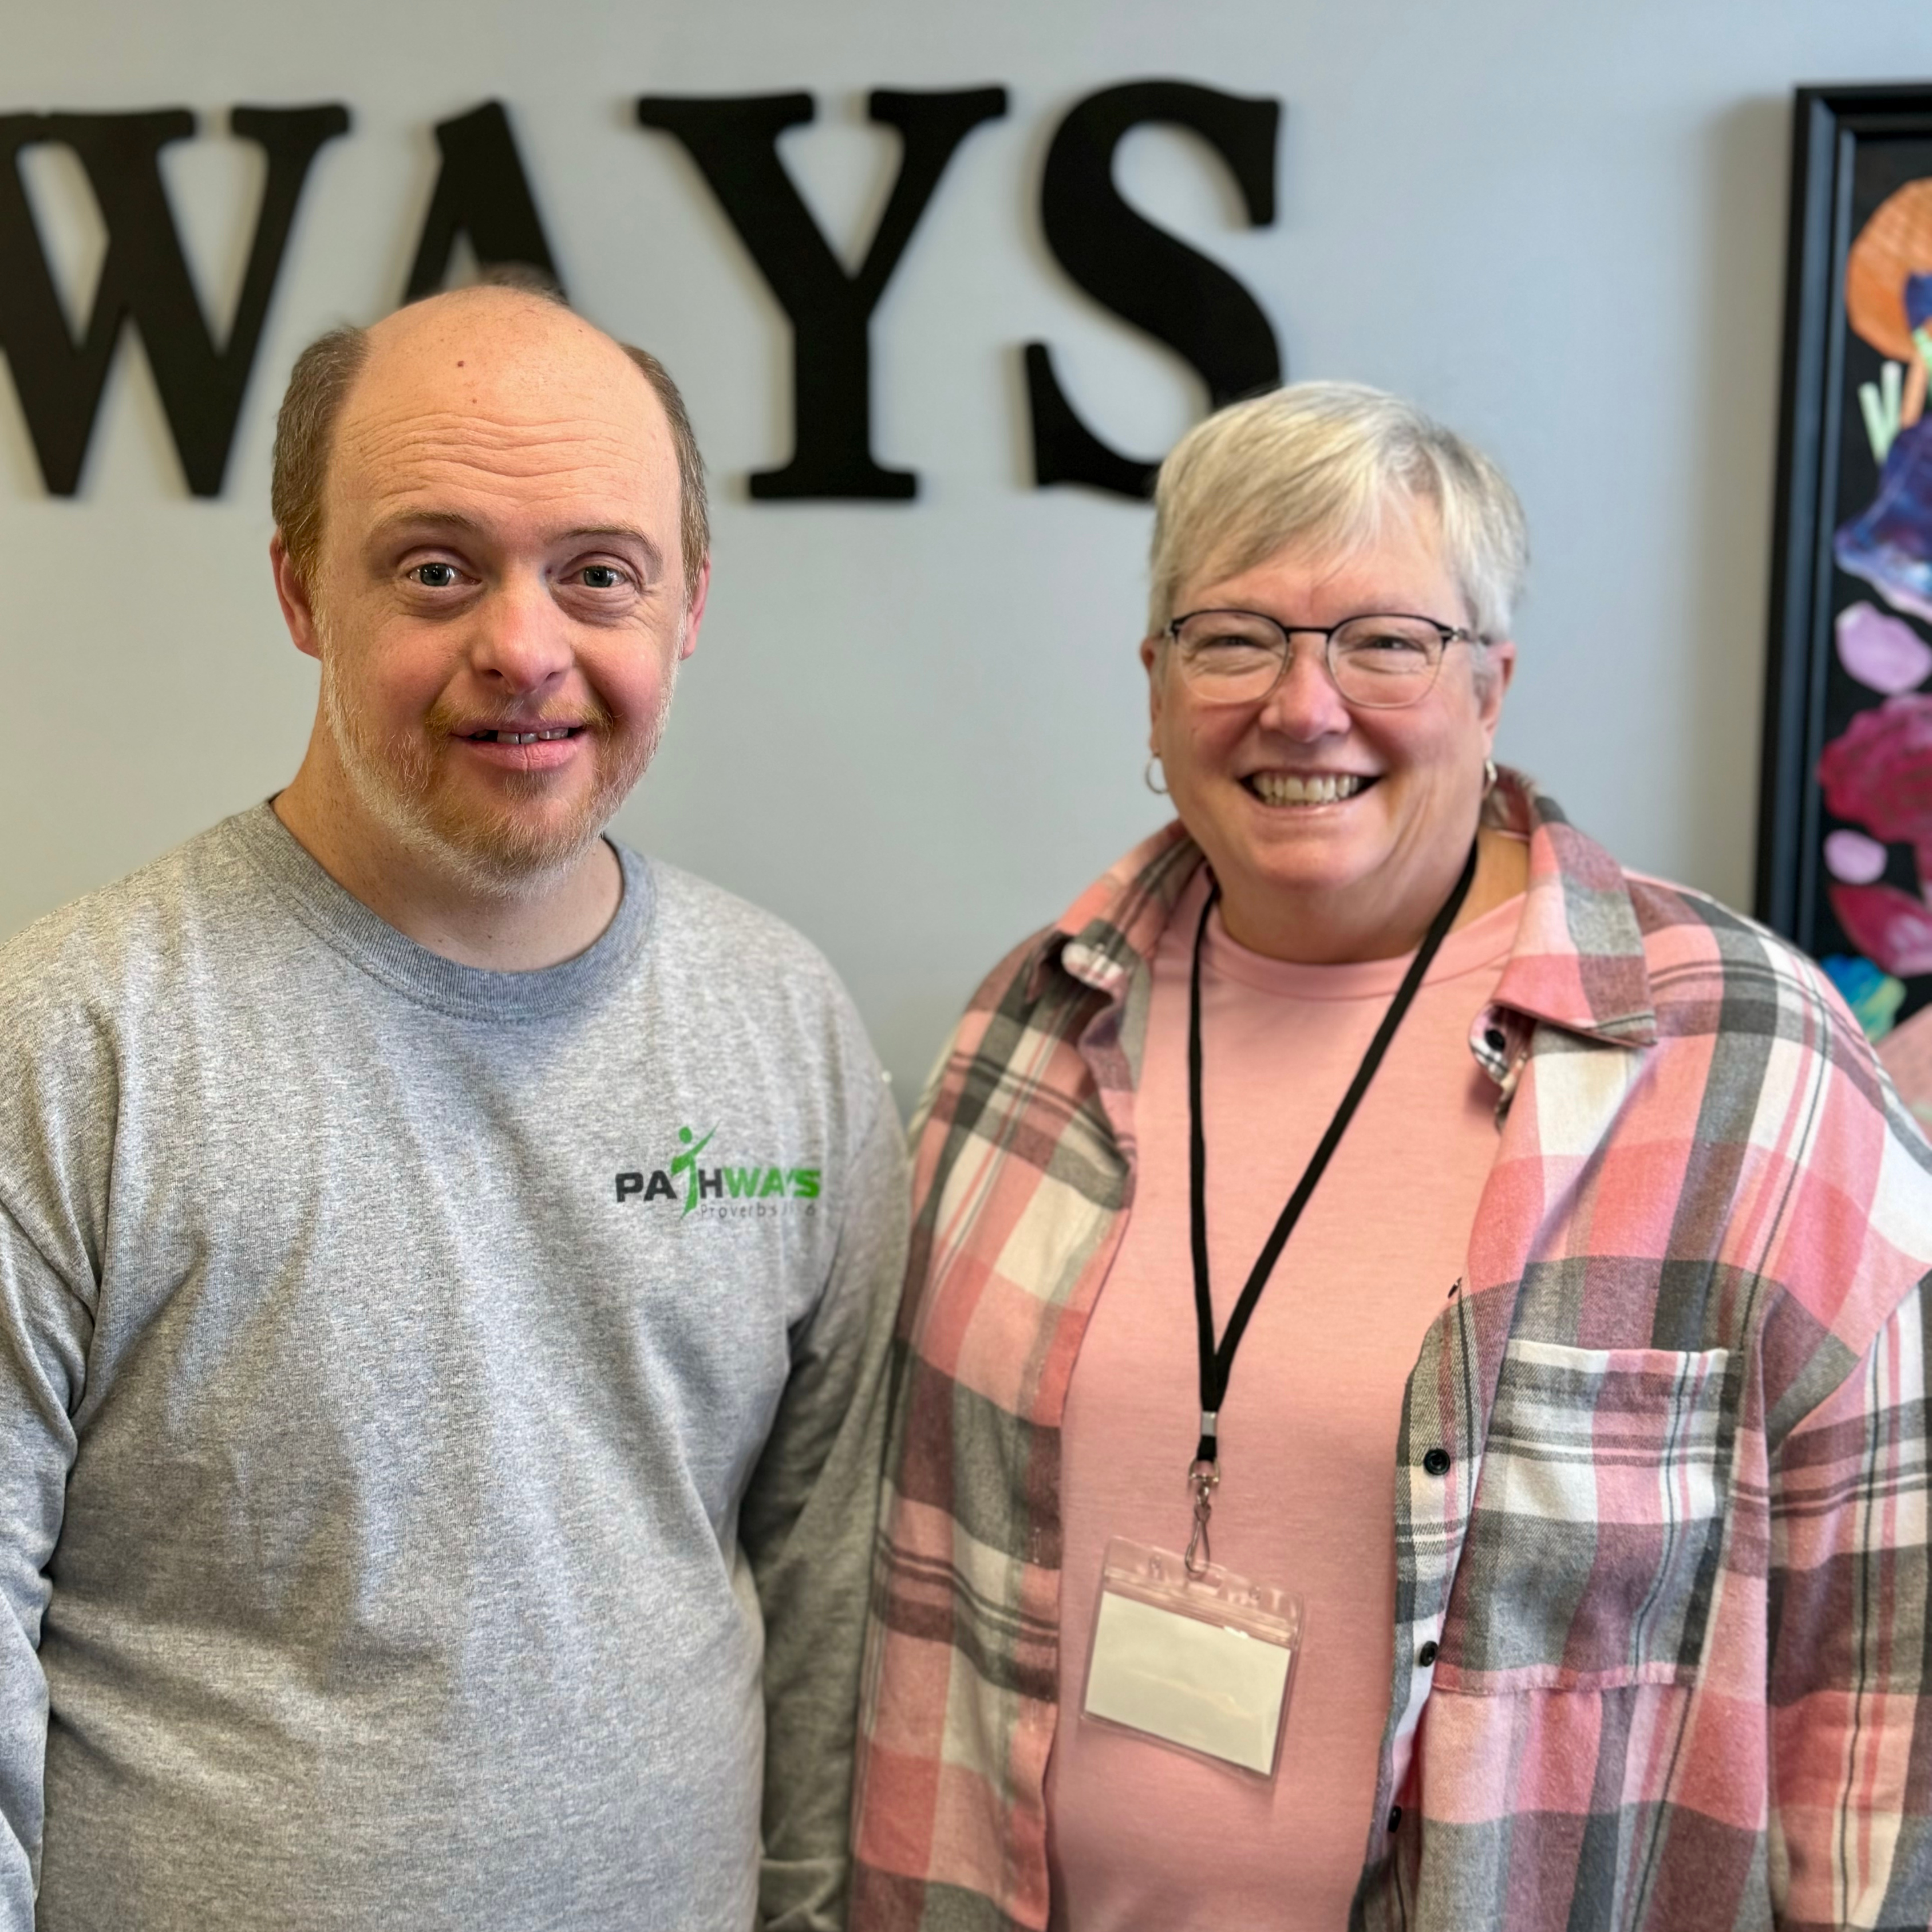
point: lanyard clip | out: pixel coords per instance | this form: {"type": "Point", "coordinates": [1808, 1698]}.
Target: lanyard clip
{"type": "Point", "coordinates": [1204, 1478]}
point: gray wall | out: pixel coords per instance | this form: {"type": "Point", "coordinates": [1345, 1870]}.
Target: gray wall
{"type": "Point", "coordinates": [916, 730]}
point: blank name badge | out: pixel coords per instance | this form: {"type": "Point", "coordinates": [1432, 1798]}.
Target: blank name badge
{"type": "Point", "coordinates": [1203, 1664]}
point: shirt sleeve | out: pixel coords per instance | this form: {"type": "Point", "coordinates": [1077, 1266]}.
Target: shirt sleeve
{"type": "Point", "coordinates": [1850, 1701]}
{"type": "Point", "coordinates": [45, 1329]}
{"type": "Point", "coordinates": [806, 1525]}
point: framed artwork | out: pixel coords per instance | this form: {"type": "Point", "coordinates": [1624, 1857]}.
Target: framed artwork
{"type": "Point", "coordinates": [1845, 837]}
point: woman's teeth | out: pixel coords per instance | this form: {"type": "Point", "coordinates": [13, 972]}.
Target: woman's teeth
{"type": "Point", "coordinates": [1278, 788]}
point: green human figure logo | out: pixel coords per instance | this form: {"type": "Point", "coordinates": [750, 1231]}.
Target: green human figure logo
{"type": "Point", "coordinates": [686, 1163]}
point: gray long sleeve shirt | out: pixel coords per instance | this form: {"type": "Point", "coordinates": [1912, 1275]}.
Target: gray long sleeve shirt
{"type": "Point", "coordinates": [438, 1411]}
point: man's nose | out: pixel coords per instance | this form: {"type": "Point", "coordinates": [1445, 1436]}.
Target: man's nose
{"type": "Point", "coordinates": [521, 637]}
{"type": "Point", "coordinates": [1305, 705]}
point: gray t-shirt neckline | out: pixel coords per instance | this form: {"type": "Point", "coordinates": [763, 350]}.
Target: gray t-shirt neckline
{"type": "Point", "coordinates": [370, 942]}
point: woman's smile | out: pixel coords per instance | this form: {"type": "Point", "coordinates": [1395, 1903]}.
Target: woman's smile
{"type": "Point", "coordinates": [1301, 790]}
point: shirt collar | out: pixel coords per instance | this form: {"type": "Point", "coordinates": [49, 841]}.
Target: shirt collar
{"type": "Point", "coordinates": [1577, 961]}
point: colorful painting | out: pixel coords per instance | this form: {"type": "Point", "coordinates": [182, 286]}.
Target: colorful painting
{"type": "Point", "coordinates": [1846, 851]}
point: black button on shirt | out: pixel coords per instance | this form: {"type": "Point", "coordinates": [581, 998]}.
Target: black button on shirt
{"type": "Point", "coordinates": [1437, 1462]}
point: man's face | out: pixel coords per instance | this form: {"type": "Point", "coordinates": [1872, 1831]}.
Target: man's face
{"type": "Point", "coordinates": [498, 605]}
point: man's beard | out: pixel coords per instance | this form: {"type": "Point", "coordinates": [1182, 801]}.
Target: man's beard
{"type": "Point", "coordinates": [499, 850]}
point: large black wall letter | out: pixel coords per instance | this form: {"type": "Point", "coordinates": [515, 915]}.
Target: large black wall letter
{"type": "Point", "coordinates": [1142, 273]}
{"type": "Point", "coordinates": [144, 276]}
{"type": "Point", "coordinates": [481, 192]}
{"type": "Point", "coordinates": [735, 143]}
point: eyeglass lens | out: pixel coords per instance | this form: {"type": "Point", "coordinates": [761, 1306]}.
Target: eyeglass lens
{"type": "Point", "coordinates": [1231, 656]}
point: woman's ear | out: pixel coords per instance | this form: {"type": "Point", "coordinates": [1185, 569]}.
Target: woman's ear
{"type": "Point", "coordinates": [1150, 664]}
{"type": "Point", "coordinates": [1493, 681]}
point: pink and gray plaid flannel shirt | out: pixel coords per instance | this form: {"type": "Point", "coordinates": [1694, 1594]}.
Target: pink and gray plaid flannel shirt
{"type": "Point", "coordinates": [1661, 1651]}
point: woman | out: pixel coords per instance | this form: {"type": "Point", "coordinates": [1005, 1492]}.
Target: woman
{"type": "Point", "coordinates": [1579, 1398]}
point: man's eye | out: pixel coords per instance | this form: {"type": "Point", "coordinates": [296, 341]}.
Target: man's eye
{"type": "Point", "coordinates": [602, 577]}
{"type": "Point", "coordinates": [434, 576]}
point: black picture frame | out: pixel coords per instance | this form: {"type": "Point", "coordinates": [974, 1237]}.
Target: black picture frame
{"type": "Point", "coordinates": [1852, 147]}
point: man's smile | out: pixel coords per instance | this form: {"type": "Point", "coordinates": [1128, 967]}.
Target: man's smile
{"type": "Point", "coordinates": [525, 745]}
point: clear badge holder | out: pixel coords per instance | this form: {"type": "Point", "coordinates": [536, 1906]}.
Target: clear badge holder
{"type": "Point", "coordinates": [1203, 1663]}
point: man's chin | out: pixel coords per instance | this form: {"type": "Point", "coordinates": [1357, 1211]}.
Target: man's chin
{"type": "Point", "coordinates": [507, 855]}
{"type": "Point", "coordinates": [505, 848]}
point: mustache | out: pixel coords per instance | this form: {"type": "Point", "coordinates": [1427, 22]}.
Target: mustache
{"type": "Point", "coordinates": [589, 713]}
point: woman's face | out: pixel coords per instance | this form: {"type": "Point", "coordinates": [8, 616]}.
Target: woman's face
{"type": "Point", "coordinates": [1304, 874]}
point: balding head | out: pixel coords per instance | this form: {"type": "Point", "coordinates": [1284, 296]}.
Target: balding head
{"type": "Point", "coordinates": [519, 335]}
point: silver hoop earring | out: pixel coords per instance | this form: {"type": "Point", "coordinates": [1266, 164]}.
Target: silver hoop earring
{"type": "Point", "coordinates": [1488, 775]}
{"type": "Point", "coordinates": [1147, 775]}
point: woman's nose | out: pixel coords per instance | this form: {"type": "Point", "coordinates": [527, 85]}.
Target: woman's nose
{"type": "Point", "coordinates": [1305, 705]}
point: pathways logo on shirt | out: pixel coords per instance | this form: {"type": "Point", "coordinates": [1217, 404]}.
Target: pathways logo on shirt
{"type": "Point", "coordinates": [759, 1188]}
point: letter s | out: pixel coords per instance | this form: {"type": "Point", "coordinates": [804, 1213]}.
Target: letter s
{"type": "Point", "coordinates": [1142, 273]}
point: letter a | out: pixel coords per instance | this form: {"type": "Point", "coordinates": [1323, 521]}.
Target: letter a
{"type": "Point", "coordinates": [481, 192]}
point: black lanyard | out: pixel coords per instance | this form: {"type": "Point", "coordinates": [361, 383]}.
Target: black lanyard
{"type": "Point", "coordinates": [1217, 1363]}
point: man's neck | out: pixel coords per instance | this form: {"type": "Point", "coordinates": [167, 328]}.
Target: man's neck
{"type": "Point", "coordinates": [446, 915]}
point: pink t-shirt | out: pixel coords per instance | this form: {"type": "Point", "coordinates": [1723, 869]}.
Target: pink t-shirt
{"type": "Point", "coordinates": [1139, 1835]}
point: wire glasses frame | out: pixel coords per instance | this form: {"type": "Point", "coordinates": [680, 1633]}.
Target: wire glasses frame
{"type": "Point", "coordinates": [1381, 661]}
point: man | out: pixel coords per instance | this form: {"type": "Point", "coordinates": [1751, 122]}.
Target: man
{"type": "Point", "coordinates": [416, 1510]}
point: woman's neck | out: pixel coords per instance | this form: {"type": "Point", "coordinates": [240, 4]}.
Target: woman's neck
{"type": "Point", "coordinates": [1315, 935]}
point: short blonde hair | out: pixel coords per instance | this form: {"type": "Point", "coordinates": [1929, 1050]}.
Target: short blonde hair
{"type": "Point", "coordinates": [1317, 466]}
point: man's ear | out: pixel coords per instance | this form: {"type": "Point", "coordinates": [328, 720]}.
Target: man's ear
{"type": "Point", "coordinates": [292, 594]}
{"type": "Point", "coordinates": [694, 614]}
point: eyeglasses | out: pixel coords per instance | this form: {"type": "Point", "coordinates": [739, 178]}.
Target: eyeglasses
{"type": "Point", "coordinates": [1381, 662]}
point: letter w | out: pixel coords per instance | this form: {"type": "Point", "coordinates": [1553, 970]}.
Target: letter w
{"type": "Point", "coordinates": [144, 276]}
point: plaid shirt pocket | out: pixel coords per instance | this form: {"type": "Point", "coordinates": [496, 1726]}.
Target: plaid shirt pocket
{"type": "Point", "coordinates": [1598, 1522]}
